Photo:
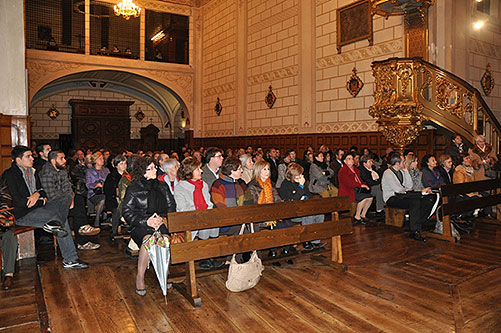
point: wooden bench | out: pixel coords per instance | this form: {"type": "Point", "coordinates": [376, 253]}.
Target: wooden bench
{"type": "Point", "coordinates": [189, 251]}
{"type": "Point", "coordinates": [394, 216]}
{"type": "Point", "coordinates": [450, 207]}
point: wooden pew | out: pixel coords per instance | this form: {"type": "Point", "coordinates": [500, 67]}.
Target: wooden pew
{"type": "Point", "coordinates": [190, 251]}
{"type": "Point", "coordinates": [457, 207]}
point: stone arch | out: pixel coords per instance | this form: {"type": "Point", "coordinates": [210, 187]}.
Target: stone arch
{"type": "Point", "coordinates": [41, 72]}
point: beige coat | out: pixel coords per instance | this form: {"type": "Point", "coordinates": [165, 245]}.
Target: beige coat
{"type": "Point", "coordinates": [477, 158]}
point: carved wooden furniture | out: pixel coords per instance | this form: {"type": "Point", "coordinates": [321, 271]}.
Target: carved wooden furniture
{"type": "Point", "coordinates": [189, 251]}
{"type": "Point", "coordinates": [101, 124]}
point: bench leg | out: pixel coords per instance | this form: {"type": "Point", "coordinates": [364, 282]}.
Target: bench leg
{"type": "Point", "coordinates": [190, 291]}
{"type": "Point", "coordinates": [337, 251]}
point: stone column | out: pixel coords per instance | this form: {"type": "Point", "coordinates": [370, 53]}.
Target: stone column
{"type": "Point", "coordinates": [307, 66]}
{"type": "Point", "coordinates": [87, 27]}
{"type": "Point", "coordinates": [142, 33]}
{"type": "Point", "coordinates": [195, 115]}
{"type": "Point", "coordinates": [13, 85]}
{"type": "Point", "coordinates": [241, 84]}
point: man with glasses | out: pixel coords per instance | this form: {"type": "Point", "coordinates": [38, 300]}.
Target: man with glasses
{"type": "Point", "coordinates": [210, 171]}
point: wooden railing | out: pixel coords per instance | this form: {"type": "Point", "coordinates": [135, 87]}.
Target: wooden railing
{"type": "Point", "coordinates": [415, 90]}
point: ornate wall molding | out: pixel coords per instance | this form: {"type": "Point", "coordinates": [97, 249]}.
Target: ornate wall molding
{"type": "Point", "coordinates": [219, 89]}
{"type": "Point", "coordinates": [278, 74]}
{"type": "Point", "coordinates": [281, 16]}
{"type": "Point", "coordinates": [346, 127]}
{"type": "Point", "coordinates": [273, 130]}
{"type": "Point", "coordinates": [361, 54]}
{"type": "Point", "coordinates": [183, 7]}
{"type": "Point", "coordinates": [218, 133]}
{"type": "Point", "coordinates": [484, 48]}
{"type": "Point", "coordinates": [190, 3]}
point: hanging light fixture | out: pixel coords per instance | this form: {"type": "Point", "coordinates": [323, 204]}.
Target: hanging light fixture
{"type": "Point", "coordinates": [127, 8]}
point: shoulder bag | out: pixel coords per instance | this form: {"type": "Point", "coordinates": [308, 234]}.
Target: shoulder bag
{"type": "Point", "coordinates": [246, 275]}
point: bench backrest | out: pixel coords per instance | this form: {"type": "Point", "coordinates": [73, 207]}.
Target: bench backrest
{"type": "Point", "coordinates": [220, 217]}
{"type": "Point", "coordinates": [228, 216]}
{"type": "Point", "coordinates": [461, 206]}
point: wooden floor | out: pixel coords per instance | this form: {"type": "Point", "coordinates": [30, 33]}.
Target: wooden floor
{"type": "Point", "coordinates": [393, 284]}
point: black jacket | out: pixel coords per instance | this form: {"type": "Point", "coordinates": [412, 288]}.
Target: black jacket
{"type": "Point", "coordinates": [290, 191]}
{"type": "Point", "coordinates": [19, 191]}
{"type": "Point", "coordinates": [135, 204]}
{"type": "Point", "coordinates": [447, 176]}
{"type": "Point", "coordinates": [367, 177]}
{"type": "Point", "coordinates": [110, 189]}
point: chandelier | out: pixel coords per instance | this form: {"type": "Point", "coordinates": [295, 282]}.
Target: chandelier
{"type": "Point", "coordinates": [127, 8]}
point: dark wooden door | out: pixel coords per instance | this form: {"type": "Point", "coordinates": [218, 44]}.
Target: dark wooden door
{"type": "Point", "coordinates": [101, 124]}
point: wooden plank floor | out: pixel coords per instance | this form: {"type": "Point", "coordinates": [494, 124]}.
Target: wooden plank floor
{"type": "Point", "coordinates": [393, 284]}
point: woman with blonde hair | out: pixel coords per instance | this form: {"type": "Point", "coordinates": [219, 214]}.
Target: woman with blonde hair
{"type": "Point", "coordinates": [247, 166]}
{"type": "Point", "coordinates": [94, 180]}
{"type": "Point", "coordinates": [483, 158]}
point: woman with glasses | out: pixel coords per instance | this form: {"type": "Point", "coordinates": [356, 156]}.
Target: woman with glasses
{"type": "Point", "coordinates": [192, 193]}
{"type": "Point", "coordinates": [147, 202]}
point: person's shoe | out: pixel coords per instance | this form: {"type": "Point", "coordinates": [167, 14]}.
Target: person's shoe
{"type": "Point", "coordinates": [320, 245]}
{"type": "Point", "coordinates": [55, 228]}
{"type": "Point", "coordinates": [7, 283]}
{"type": "Point", "coordinates": [308, 246]}
{"type": "Point", "coordinates": [141, 292]}
{"type": "Point", "coordinates": [356, 221]}
{"type": "Point", "coordinates": [289, 261]}
{"type": "Point", "coordinates": [77, 264]}
{"type": "Point", "coordinates": [89, 246]}
{"type": "Point", "coordinates": [272, 253]}
{"type": "Point", "coordinates": [285, 252]}
{"type": "Point", "coordinates": [276, 264]}
{"type": "Point", "coordinates": [205, 264]}
{"type": "Point", "coordinates": [416, 235]}
{"type": "Point", "coordinates": [216, 263]}
{"type": "Point", "coordinates": [88, 230]}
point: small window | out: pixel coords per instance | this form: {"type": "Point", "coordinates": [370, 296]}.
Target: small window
{"type": "Point", "coordinates": [484, 6]}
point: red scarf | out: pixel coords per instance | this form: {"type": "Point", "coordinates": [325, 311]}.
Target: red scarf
{"type": "Point", "coordinates": [198, 196]}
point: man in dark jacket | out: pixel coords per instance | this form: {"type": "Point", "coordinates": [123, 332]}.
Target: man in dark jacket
{"type": "Point", "coordinates": [32, 209]}
{"type": "Point", "coordinates": [43, 150]}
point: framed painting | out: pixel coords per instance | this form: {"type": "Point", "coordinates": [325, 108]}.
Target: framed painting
{"type": "Point", "coordinates": [354, 23]}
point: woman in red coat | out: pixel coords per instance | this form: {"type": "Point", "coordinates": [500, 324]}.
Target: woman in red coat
{"type": "Point", "coordinates": [351, 185]}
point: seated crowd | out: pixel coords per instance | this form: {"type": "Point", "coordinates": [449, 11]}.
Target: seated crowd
{"type": "Point", "coordinates": [139, 190]}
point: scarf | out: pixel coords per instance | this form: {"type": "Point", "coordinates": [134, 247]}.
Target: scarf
{"type": "Point", "coordinates": [198, 196]}
{"type": "Point", "coordinates": [468, 169]}
{"type": "Point", "coordinates": [321, 165]}
{"type": "Point", "coordinates": [266, 195]}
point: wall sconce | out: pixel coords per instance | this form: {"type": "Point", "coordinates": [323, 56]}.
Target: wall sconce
{"type": "Point", "coordinates": [53, 113]}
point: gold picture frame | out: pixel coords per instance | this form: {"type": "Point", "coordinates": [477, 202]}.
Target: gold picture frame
{"type": "Point", "coordinates": [354, 23]}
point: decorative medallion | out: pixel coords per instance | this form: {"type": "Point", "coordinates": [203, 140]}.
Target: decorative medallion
{"type": "Point", "coordinates": [53, 113]}
{"type": "Point", "coordinates": [487, 81]}
{"type": "Point", "coordinates": [354, 84]}
{"type": "Point", "coordinates": [139, 115]}
{"type": "Point", "coordinates": [219, 107]}
{"type": "Point", "coordinates": [270, 98]}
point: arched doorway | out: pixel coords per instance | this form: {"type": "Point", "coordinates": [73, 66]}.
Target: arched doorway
{"type": "Point", "coordinates": [159, 105]}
